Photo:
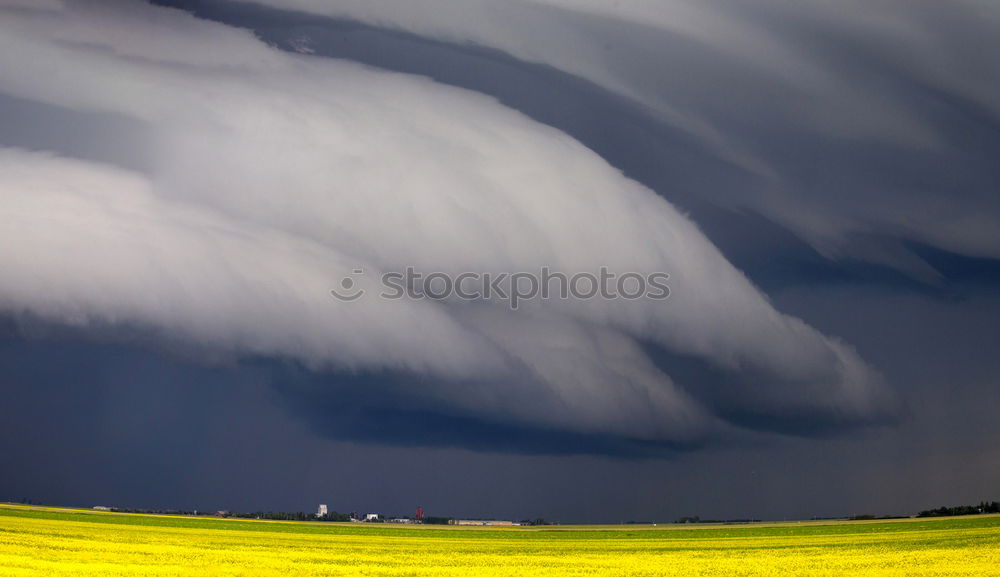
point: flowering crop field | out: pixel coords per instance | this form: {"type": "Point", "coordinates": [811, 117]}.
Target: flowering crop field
{"type": "Point", "coordinates": [49, 541]}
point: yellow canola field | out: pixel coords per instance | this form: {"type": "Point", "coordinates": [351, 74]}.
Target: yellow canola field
{"type": "Point", "coordinates": [60, 542]}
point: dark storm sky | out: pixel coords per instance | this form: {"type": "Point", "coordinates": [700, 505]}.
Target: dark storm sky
{"type": "Point", "coordinates": [172, 186]}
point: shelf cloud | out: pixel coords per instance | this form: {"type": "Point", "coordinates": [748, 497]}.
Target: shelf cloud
{"type": "Point", "coordinates": [266, 177]}
{"type": "Point", "coordinates": [848, 120]}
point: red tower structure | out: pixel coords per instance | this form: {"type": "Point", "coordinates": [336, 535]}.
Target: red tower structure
{"type": "Point", "coordinates": [420, 513]}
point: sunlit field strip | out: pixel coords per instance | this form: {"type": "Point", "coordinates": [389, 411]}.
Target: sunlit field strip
{"type": "Point", "coordinates": [65, 542]}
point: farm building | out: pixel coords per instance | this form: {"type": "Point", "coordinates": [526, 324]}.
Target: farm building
{"type": "Point", "coordinates": [482, 523]}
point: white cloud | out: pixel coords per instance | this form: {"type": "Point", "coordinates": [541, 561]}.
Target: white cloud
{"type": "Point", "coordinates": [276, 174]}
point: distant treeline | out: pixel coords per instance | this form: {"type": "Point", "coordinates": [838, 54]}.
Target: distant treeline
{"type": "Point", "coordinates": [431, 520]}
{"type": "Point", "coordinates": [269, 515]}
{"type": "Point", "coordinates": [697, 519]}
{"type": "Point", "coordinates": [297, 516]}
{"type": "Point", "coordinates": [984, 507]}
{"type": "Point", "coordinates": [156, 511]}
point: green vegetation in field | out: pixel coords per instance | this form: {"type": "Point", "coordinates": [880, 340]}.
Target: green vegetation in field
{"type": "Point", "coordinates": [40, 541]}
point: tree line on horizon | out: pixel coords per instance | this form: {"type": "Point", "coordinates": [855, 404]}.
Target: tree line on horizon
{"type": "Point", "coordinates": [983, 507]}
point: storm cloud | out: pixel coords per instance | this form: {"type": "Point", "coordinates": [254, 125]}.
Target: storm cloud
{"type": "Point", "coordinates": [847, 119]}
{"type": "Point", "coordinates": [275, 175]}
{"type": "Point", "coordinates": [183, 182]}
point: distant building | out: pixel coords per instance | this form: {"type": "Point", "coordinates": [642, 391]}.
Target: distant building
{"type": "Point", "coordinates": [321, 512]}
{"type": "Point", "coordinates": [371, 517]}
{"type": "Point", "coordinates": [101, 508]}
{"type": "Point", "coordinates": [420, 514]}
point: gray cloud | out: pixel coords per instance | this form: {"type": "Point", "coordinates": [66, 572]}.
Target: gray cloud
{"type": "Point", "coordinates": [856, 124]}
{"type": "Point", "coordinates": [274, 175]}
